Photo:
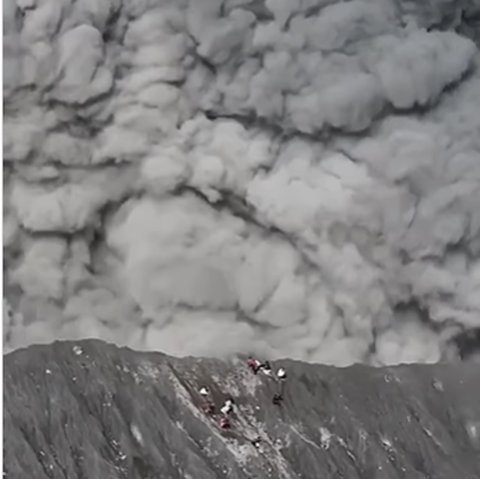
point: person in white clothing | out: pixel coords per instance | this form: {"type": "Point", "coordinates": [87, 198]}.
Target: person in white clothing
{"type": "Point", "coordinates": [227, 408]}
{"type": "Point", "coordinates": [204, 391]}
{"type": "Point", "coordinates": [207, 405]}
{"type": "Point", "coordinates": [281, 377]}
{"type": "Point", "coordinates": [254, 364]}
{"type": "Point", "coordinates": [266, 368]}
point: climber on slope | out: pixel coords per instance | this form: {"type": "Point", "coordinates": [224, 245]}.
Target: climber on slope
{"type": "Point", "coordinates": [227, 407]}
{"type": "Point", "coordinates": [256, 442]}
{"type": "Point", "coordinates": [281, 378]}
{"type": "Point", "coordinates": [226, 410]}
{"type": "Point", "coordinates": [266, 369]}
{"type": "Point", "coordinates": [281, 374]}
{"type": "Point", "coordinates": [207, 405]}
{"type": "Point", "coordinates": [277, 399]}
{"type": "Point", "coordinates": [224, 423]}
{"type": "Point", "coordinates": [254, 364]}
{"type": "Point", "coordinates": [204, 392]}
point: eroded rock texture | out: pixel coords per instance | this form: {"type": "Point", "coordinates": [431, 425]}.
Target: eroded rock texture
{"type": "Point", "coordinates": [88, 409]}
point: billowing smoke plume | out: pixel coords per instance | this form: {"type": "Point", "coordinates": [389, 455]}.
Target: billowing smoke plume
{"type": "Point", "coordinates": [295, 177]}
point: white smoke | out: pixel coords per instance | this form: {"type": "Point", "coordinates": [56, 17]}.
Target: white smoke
{"type": "Point", "coordinates": [299, 178]}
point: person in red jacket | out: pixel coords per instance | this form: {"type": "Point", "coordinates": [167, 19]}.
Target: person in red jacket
{"type": "Point", "coordinates": [224, 423]}
{"type": "Point", "coordinates": [254, 364]}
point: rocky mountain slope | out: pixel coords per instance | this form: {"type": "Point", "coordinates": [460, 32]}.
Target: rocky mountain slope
{"type": "Point", "coordinates": [88, 409]}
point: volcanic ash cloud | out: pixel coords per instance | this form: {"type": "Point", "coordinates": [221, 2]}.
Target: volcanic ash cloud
{"type": "Point", "coordinates": [292, 178]}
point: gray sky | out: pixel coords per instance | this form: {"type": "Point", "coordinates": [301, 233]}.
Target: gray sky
{"type": "Point", "coordinates": [294, 178]}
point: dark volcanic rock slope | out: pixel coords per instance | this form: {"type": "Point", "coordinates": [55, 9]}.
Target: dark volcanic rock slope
{"type": "Point", "coordinates": [91, 410]}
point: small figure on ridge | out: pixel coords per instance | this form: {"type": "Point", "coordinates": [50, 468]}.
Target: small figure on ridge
{"type": "Point", "coordinates": [204, 392]}
{"type": "Point", "coordinates": [266, 368]}
{"type": "Point", "coordinates": [254, 364]}
{"type": "Point", "coordinates": [224, 423]}
{"type": "Point", "coordinates": [227, 408]}
{"type": "Point", "coordinates": [282, 374]}
{"type": "Point", "coordinates": [281, 377]}
{"type": "Point", "coordinates": [207, 405]}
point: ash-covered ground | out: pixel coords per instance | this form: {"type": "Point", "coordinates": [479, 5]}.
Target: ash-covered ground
{"type": "Point", "coordinates": [88, 409]}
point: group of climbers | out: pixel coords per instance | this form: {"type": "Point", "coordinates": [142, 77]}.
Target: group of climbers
{"type": "Point", "coordinates": [228, 406]}
{"type": "Point", "coordinates": [281, 375]}
{"type": "Point", "coordinates": [209, 407]}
